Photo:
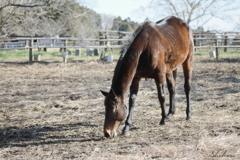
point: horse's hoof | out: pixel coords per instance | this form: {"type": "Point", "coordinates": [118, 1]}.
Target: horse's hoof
{"type": "Point", "coordinates": [188, 118]}
{"type": "Point", "coordinates": [162, 123]}
{"type": "Point", "coordinates": [169, 115]}
{"type": "Point", "coordinates": [126, 133]}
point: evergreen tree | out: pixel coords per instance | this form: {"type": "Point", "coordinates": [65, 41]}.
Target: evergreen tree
{"type": "Point", "coordinates": [124, 25]}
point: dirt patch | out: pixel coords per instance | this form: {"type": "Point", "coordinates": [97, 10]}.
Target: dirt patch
{"type": "Point", "coordinates": [56, 111]}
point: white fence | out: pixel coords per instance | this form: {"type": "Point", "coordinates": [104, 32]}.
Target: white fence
{"type": "Point", "coordinates": [112, 39]}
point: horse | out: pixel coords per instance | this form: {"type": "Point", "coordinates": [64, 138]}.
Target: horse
{"type": "Point", "coordinates": [154, 51]}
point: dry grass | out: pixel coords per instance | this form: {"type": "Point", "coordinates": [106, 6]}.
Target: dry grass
{"type": "Point", "coordinates": [219, 147]}
{"type": "Point", "coordinates": [55, 111]}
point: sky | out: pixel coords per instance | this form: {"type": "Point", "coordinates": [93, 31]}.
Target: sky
{"type": "Point", "coordinates": [130, 8]}
{"type": "Point", "coordinates": [123, 8]}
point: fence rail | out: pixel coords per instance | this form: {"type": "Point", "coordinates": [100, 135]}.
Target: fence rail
{"type": "Point", "coordinates": [108, 39]}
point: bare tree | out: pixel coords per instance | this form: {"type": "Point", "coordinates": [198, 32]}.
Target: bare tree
{"type": "Point", "coordinates": [107, 21]}
{"type": "Point", "coordinates": [238, 25]}
{"type": "Point", "coordinates": [10, 8]}
{"type": "Point", "coordinates": [77, 20]}
{"type": "Point", "coordinates": [193, 10]}
{"type": "Point", "coordinates": [46, 18]}
{"type": "Point", "coordinates": [46, 21]}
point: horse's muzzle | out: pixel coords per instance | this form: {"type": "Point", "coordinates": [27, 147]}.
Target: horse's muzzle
{"type": "Point", "coordinates": [110, 134]}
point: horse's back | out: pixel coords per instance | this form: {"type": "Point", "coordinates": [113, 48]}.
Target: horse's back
{"type": "Point", "coordinates": [169, 45]}
{"type": "Point", "coordinates": [175, 31]}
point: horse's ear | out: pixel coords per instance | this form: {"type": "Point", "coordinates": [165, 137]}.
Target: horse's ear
{"type": "Point", "coordinates": [104, 93]}
{"type": "Point", "coordinates": [113, 92]}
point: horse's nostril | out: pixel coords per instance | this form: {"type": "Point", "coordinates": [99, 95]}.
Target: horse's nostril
{"type": "Point", "coordinates": [110, 133]}
{"type": "Point", "coordinates": [107, 135]}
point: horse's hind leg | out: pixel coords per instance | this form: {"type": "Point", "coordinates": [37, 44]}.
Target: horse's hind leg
{"type": "Point", "coordinates": [171, 81]}
{"type": "Point", "coordinates": [187, 70]}
{"type": "Point", "coordinates": [161, 95]}
{"type": "Point", "coordinates": [133, 94]}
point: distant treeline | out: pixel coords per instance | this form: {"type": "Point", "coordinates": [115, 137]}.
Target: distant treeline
{"type": "Point", "coordinates": [124, 25]}
{"type": "Point", "coordinates": [57, 17]}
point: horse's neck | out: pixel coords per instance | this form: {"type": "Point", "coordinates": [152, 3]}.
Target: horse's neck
{"type": "Point", "coordinates": [124, 73]}
{"type": "Point", "coordinates": [127, 64]}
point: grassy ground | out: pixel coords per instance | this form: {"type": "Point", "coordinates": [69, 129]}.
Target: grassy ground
{"type": "Point", "coordinates": [56, 111]}
{"type": "Point", "coordinates": [204, 53]}
{"type": "Point", "coordinates": [51, 55]}
{"type": "Point", "coordinates": [56, 55]}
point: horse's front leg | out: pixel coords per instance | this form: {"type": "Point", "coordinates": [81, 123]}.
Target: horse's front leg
{"type": "Point", "coordinates": [133, 95]}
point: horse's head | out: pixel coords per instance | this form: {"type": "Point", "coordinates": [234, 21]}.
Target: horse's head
{"type": "Point", "coordinates": [115, 112]}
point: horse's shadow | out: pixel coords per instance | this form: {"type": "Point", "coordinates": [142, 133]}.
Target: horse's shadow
{"type": "Point", "coordinates": [35, 135]}
{"type": "Point", "coordinates": [221, 60]}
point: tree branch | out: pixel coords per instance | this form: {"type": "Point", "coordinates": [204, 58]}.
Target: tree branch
{"type": "Point", "coordinates": [205, 10]}
{"type": "Point", "coordinates": [27, 5]}
{"type": "Point", "coordinates": [173, 7]}
{"type": "Point", "coordinates": [193, 7]}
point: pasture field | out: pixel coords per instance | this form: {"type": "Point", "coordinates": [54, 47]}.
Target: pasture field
{"type": "Point", "coordinates": [54, 55]}
{"type": "Point", "coordinates": [56, 111]}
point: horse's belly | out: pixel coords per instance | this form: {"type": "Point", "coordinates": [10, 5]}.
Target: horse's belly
{"type": "Point", "coordinates": [145, 72]}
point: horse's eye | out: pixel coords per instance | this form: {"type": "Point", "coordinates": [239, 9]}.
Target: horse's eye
{"type": "Point", "coordinates": [110, 108]}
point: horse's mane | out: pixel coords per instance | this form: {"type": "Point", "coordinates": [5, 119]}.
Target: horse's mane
{"type": "Point", "coordinates": [130, 39]}
{"type": "Point", "coordinates": [125, 48]}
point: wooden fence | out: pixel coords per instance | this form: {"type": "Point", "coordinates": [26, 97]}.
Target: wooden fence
{"type": "Point", "coordinates": [217, 41]}
{"type": "Point", "coordinates": [113, 39]}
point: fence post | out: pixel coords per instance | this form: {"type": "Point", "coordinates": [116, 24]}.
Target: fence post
{"type": "Point", "coordinates": [53, 43]}
{"type": "Point", "coordinates": [65, 50]}
{"type": "Point", "coordinates": [195, 44]}
{"type": "Point", "coordinates": [31, 51]}
{"type": "Point", "coordinates": [120, 37]}
{"type": "Point", "coordinates": [65, 45]}
{"type": "Point", "coordinates": [225, 43]}
{"type": "Point", "coordinates": [106, 42]}
{"type": "Point", "coordinates": [5, 45]}
{"type": "Point", "coordinates": [216, 44]}
{"type": "Point", "coordinates": [26, 45]}
{"type": "Point", "coordinates": [101, 43]}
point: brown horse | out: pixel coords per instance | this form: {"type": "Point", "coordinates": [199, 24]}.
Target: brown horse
{"type": "Point", "coordinates": [155, 51]}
